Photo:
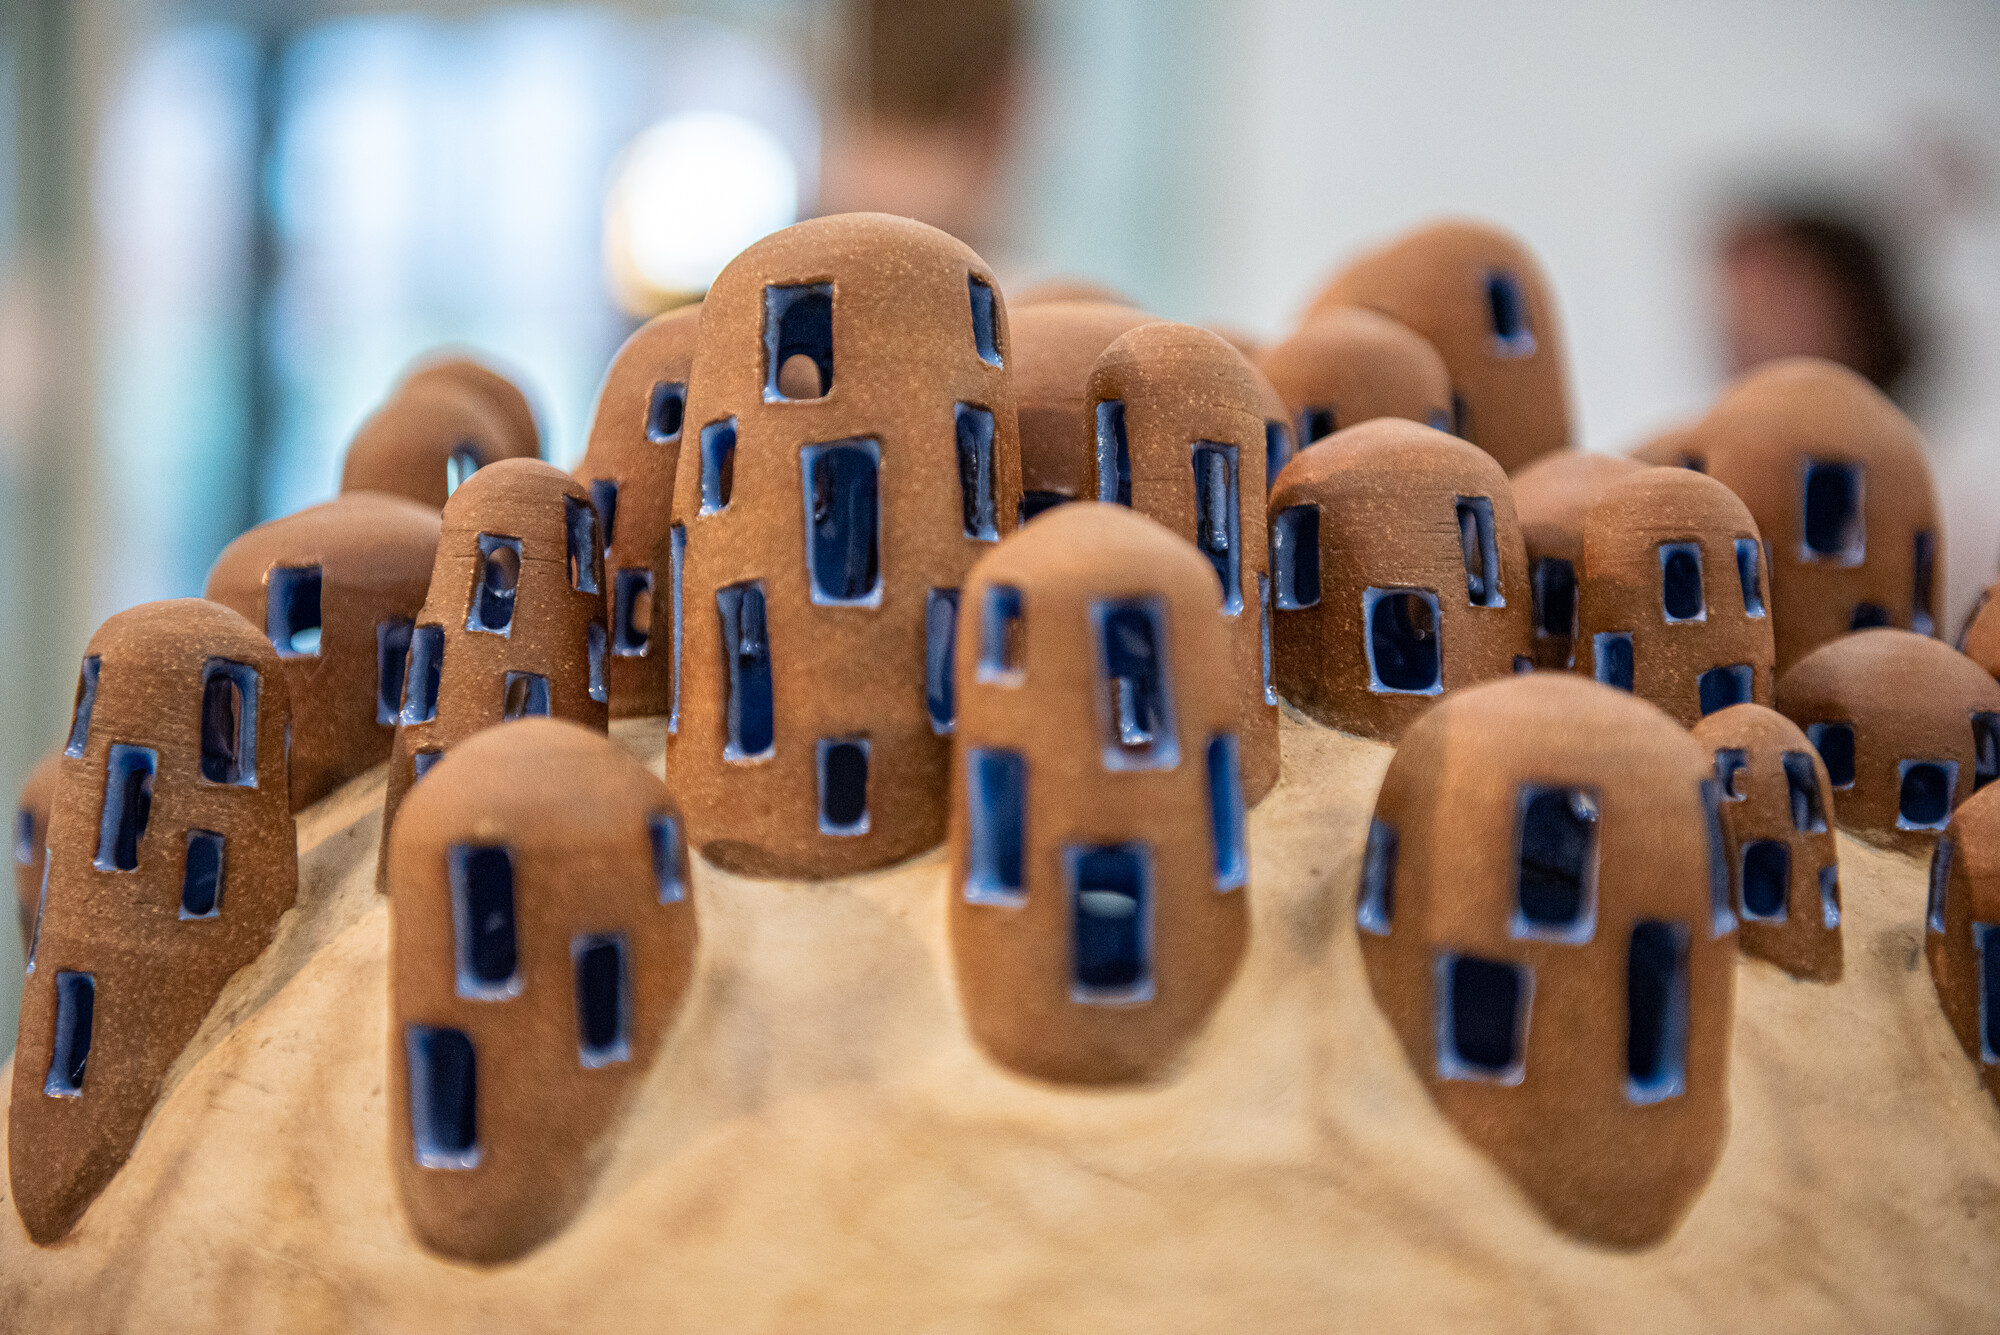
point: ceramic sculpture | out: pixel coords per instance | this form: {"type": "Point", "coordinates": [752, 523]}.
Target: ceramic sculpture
{"type": "Point", "coordinates": [1097, 814]}
{"type": "Point", "coordinates": [1552, 495]}
{"type": "Point", "coordinates": [170, 859]}
{"type": "Point", "coordinates": [1836, 478]}
{"type": "Point", "coordinates": [1545, 920]}
{"type": "Point", "coordinates": [1181, 439]}
{"type": "Point", "coordinates": [1347, 365]}
{"type": "Point", "coordinates": [1777, 820]}
{"type": "Point", "coordinates": [31, 841]}
{"type": "Point", "coordinates": [542, 936]}
{"type": "Point", "coordinates": [1670, 596]}
{"type": "Point", "coordinates": [1056, 346]}
{"type": "Point", "coordinates": [427, 439]}
{"type": "Point", "coordinates": [1979, 637]}
{"type": "Point", "coordinates": [629, 466]}
{"type": "Point", "coordinates": [494, 390]}
{"type": "Point", "coordinates": [1279, 442]}
{"type": "Point", "coordinates": [1962, 931]}
{"type": "Point", "coordinates": [337, 588]}
{"type": "Point", "coordinates": [820, 539]}
{"type": "Point", "coordinates": [1477, 295]}
{"type": "Point", "coordinates": [513, 625]}
{"type": "Point", "coordinates": [1063, 289]}
{"type": "Point", "coordinates": [1674, 447]}
{"type": "Point", "coordinates": [1397, 575]}
{"type": "Point", "coordinates": [1908, 728]}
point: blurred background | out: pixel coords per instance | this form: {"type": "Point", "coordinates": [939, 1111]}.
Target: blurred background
{"type": "Point", "coordinates": [226, 225]}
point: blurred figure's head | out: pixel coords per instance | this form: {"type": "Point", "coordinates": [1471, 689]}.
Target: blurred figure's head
{"type": "Point", "coordinates": [1808, 279]}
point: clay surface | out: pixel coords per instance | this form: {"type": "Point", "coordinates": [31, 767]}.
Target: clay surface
{"type": "Point", "coordinates": [1056, 347]}
{"type": "Point", "coordinates": [1066, 288]}
{"type": "Point", "coordinates": [1347, 365]}
{"type": "Point", "coordinates": [31, 841]}
{"type": "Point", "coordinates": [1962, 931]}
{"type": "Point", "coordinates": [425, 439]}
{"type": "Point", "coordinates": [340, 585]}
{"type": "Point", "coordinates": [1674, 447]}
{"type": "Point", "coordinates": [493, 388]}
{"type": "Point", "coordinates": [1552, 496]}
{"type": "Point", "coordinates": [1979, 637]}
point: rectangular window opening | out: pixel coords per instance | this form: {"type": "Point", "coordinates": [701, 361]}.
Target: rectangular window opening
{"type": "Point", "coordinates": [229, 723]}
{"type": "Point", "coordinates": [1316, 424]}
{"type": "Point", "coordinates": [798, 322]}
{"type": "Point", "coordinates": [1111, 912]}
{"type": "Point", "coordinates": [1509, 313]}
{"type": "Point", "coordinates": [1556, 856]}
{"type": "Point", "coordinates": [718, 465]}
{"type": "Point", "coordinates": [1921, 620]}
{"type": "Point", "coordinates": [1482, 1018]}
{"type": "Point", "coordinates": [1729, 763]}
{"type": "Point", "coordinates": [1375, 907]}
{"type": "Point", "coordinates": [584, 551]}
{"type": "Point", "coordinates": [1114, 454]}
{"type": "Point", "coordinates": [676, 562]}
{"type": "Point", "coordinates": [128, 805]}
{"type": "Point", "coordinates": [1986, 939]}
{"type": "Point", "coordinates": [1766, 879]}
{"type": "Point", "coordinates": [1277, 452]}
{"type": "Point", "coordinates": [1218, 518]}
{"type": "Point", "coordinates": [843, 504]}
{"type": "Point", "coordinates": [1264, 639]}
{"type": "Point", "coordinates": [664, 833]}
{"type": "Point", "coordinates": [985, 328]}
{"type": "Point", "coordinates": [593, 648]}
{"type": "Point", "coordinates": [1720, 687]}
{"type": "Point", "coordinates": [632, 612]}
{"type": "Point", "coordinates": [493, 591]}
{"type": "Point", "coordinates": [86, 703]}
{"type": "Point", "coordinates": [1835, 744]}
{"type": "Point", "coordinates": [974, 430]}
{"type": "Point", "coordinates": [1611, 658]}
{"type": "Point", "coordinates": [201, 876]}
{"type": "Point", "coordinates": [291, 610]}
{"type": "Point", "coordinates": [940, 639]}
{"type": "Point", "coordinates": [1680, 582]}
{"type": "Point", "coordinates": [1554, 591]}
{"type": "Point", "coordinates": [524, 695]}
{"type": "Point", "coordinates": [996, 822]}
{"type": "Point", "coordinates": [746, 653]}
{"type": "Point", "coordinates": [1137, 704]}
{"type": "Point", "coordinates": [1295, 556]}
{"type": "Point", "coordinates": [603, 1000]}
{"type": "Point", "coordinates": [1002, 629]}
{"type": "Point", "coordinates": [1722, 916]}
{"type": "Point", "coordinates": [1924, 794]}
{"type": "Point", "coordinates": [843, 786]}
{"type": "Point", "coordinates": [392, 655]}
{"type": "Point", "coordinates": [1225, 813]}
{"type": "Point", "coordinates": [1802, 789]}
{"type": "Point", "coordinates": [1404, 653]}
{"type": "Point", "coordinates": [1749, 574]}
{"type": "Point", "coordinates": [1035, 502]}
{"type": "Point", "coordinates": [666, 409]}
{"type": "Point", "coordinates": [1656, 1011]}
{"type": "Point", "coordinates": [1985, 749]}
{"type": "Point", "coordinates": [604, 500]}
{"type": "Point", "coordinates": [482, 915]}
{"type": "Point", "coordinates": [420, 685]}
{"type": "Point", "coordinates": [1833, 520]}
{"type": "Point", "coordinates": [24, 837]}
{"type": "Point", "coordinates": [1480, 550]}
{"type": "Point", "coordinates": [444, 1097]}
{"type": "Point", "coordinates": [76, 1005]}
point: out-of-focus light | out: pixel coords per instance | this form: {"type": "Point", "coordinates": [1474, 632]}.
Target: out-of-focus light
{"type": "Point", "coordinates": [687, 195]}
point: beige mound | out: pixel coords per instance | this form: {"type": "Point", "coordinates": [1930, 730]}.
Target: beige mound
{"type": "Point", "coordinates": [819, 1149]}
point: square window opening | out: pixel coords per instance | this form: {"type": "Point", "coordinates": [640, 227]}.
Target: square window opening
{"type": "Point", "coordinates": [1924, 792]}
{"type": "Point", "coordinates": [524, 695]}
{"type": "Point", "coordinates": [1720, 687]}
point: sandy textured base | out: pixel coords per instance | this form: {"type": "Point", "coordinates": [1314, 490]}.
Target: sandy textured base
{"type": "Point", "coordinates": [819, 1148]}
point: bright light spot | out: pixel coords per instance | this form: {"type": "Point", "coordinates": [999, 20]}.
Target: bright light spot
{"type": "Point", "coordinates": [694, 190]}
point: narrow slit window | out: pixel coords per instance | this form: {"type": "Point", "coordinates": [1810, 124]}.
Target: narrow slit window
{"type": "Point", "coordinates": [1001, 633]}
{"type": "Point", "coordinates": [392, 655]}
{"type": "Point", "coordinates": [603, 1000]}
{"type": "Point", "coordinates": [1729, 763]}
{"type": "Point", "coordinates": [843, 552]}
{"type": "Point", "coordinates": [666, 408]}
{"type": "Point", "coordinates": [229, 723]}
{"type": "Point", "coordinates": [1480, 550]}
{"type": "Point", "coordinates": [1375, 907]}
{"type": "Point", "coordinates": [1766, 879]}
{"type": "Point", "coordinates": [1721, 916]}
{"type": "Point", "coordinates": [1225, 813]}
{"type": "Point", "coordinates": [1829, 895]}
{"type": "Point", "coordinates": [1114, 454]}
{"type": "Point", "coordinates": [1482, 1018]}
{"type": "Point", "coordinates": [1509, 314]}
{"type": "Point", "coordinates": [843, 786]}
{"type": "Point", "coordinates": [580, 527]}
{"type": "Point", "coordinates": [1555, 894]}
{"type": "Point", "coordinates": [940, 637]}
{"type": "Point", "coordinates": [1217, 518]}
{"type": "Point", "coordinates": [24, 837]}
{"type": "Point", "coordinates": [1111, 927]}
{"type": "Point", "coordinates": [798, 322]}
{"type": "Point", "coordinates": [974, 428]}
{"type": "Point", "coordinates": [499, 579]}
{"type": "Point", "coordinates": [1923, 800]}
{"type": "Point", "coordinates": [1985, 750]}
{"type": "Point", "coordinates": [664, 833]}
{"type": "Point", "coordinates": [462, 464]}
{"type": "Point", "coordinates": [1277, 452]}
{"type": "Point", "coordinates": [1611, 658]}
{"type": "Point", "coordinates": [524, 695]}
{"type": "Point", "coordinates": [1833, 527]}
{"type": "Point", "coordinates": [1750, 575]}
{"type": "Point", "coordinates": [746, 653]}
{"type": "Point", "coordinates": [1721, 687]}
{"type": "Point", "coordinates": [1035, 502]}
{"type": "Point", "coordinates": [291, 610]}
{"type": "Point", "coordinates": [604, 500]}
{"type": "Point", "coordinates": [1656, 1006]}
{"type": "Point", "coordinates": [676, 562]}
{"type": "Point", "coordinates": [985, 328]}
{"type": "Point", "coordinates": [201, 876]}
{"type": "Point", "coordinates": [1131, 654]}
{"type": "Point", "coordinates": [1921, 620]}
{"type": "Point", "coordinates": [1680, 582]}
{"type": "Point", "coordinates": [1554, 581]}
{"type": "Point", "coordinates": [1404, 655]}
{"type": "Point", "coordinates": [1316, 424]}
{"type": "Point", "coordinates": [1986, 937]}
{"type": "Point", "coordinates": [631, 612]}
{"type": "Point", "coordinates": [718, 465]}
{"type": "Point", "coordinates": [1264, 639]}
{"type": "Point", "coordinates": [1835, 744]}
{"type": "Point", "coordinates": [996, 822]}
{"type": "Point", "coordinates": [482, 914]}
{"type": "Point", "coordinates": [444, 1097]}
{"type": "Point", "coordinates": [86, 702]}
{"type": "Point", "coordinates": [76, 1005]}
{"type": "Point", "coordinates": [1802, 790]}
{"type": "Point", "coordinates": [420, 684]}
{"type": "Point", "coordinates": [1295, 556]}
{"type": "Point", "coordinates": [593, 648]}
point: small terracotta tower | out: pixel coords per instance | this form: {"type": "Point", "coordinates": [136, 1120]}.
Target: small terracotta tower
{"type": "Point", "coordinates": [1675, 447]}
{"type": "Point", "coordinates": [171, 857]}
{"type": "Point", "coordinates": [1545, 919]}
{"type": "Point", "coordinates": [496, 391]}
{"type": "Point", "coordinates": [1979, 637]}
{"type": "Point", "coordinates": [513, 625]}
{"type": "Point", "coordinates": [855, 453]}
{"type": "Point", "coordinates": [427, 439]}
{"type": "Point", "coordinates": [1397, 573]}
{"type": "Point", "coordinates": [1180, 439]}
{"type": "Point", "coordinates": [1777, 816]}
{"type": "Point", "coordinates": [31, 841]}
{"type": "Point", "coordinates": [1908, 728]}
{"type": "Point", "coordinates": [542, 937]}
{"type": "Point", "coordinates": [1838, 482]}
{"type": "Point", "coordinates": [1552, 495]}
{"type": "Point", "coordinates": [1097, 828]}
{"type": "Point", "coordinates": [1347, 365]}
{"type": "Point", "coordinates": [1477, 295]}
{"type": "Point", "coordinates": [337, 588]}
{"type": "Point", "coordinates": [629, 466]}
{"type": "Point", "coordinates": [1962, 931]}
{"type": "Point", "coordinates": [1671, 599]}
{"type": "Point", "coordinates": [1056, 346]}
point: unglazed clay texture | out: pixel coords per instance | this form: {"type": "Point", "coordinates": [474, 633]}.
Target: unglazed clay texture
{"type": "Point", "coordinates": [635, 441]}
{"type": "Point", "coordinates": [1180, 437]}
{"type": "Point", "coordinates": [1962, 931]}
{"type": "Point", "coordinates": [824, 539]}
{"type": "Point", "coordinates": [1908, 728]}
{"type": "Point", "coordinates": [31, 841]}
{"type": "Point", "coordinates": [541, 940]}
{"type": "Point", "coordinates": [1671, 601]}
{"type": "Point", "coordinates": [1397, 574]}
{"type": "Point", "coordinates": [337, 588]}
{"type": "Point", "coordinates": [1347, 365]}
{"type": "Point", "coordinates": [428, 438]}
{"type": "Point", "coordinates": [1056, 346]}
{"type": "Point", "coordinates": [1836, 478]}
{"type": "Point", "coordinates": [1097, 828]}
{"type": "Point", "coordinates": [1478, 296]}
{"type": "Point", "coordinates": [495, 390]}
{"type": "Point", "coordinates": [171, 856]}
{"type": "Point", "coordinates": [1552, 496]}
